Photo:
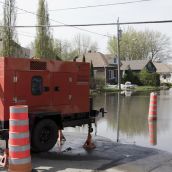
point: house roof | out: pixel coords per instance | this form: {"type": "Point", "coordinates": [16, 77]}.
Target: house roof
{"type": "Point", "coordinates": [163, 68]}
{"type": "Point", "coordinates": [170, 67]}
{"type": "Point", "coordinates": [134, 64]}
{"type": "Point", "coordinates": [110, 58]}
{"type": "Point", "coordinates": [98, 59]}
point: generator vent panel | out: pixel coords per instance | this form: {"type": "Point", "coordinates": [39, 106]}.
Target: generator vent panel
{"type": "Point", "coordinates": [36, 65]}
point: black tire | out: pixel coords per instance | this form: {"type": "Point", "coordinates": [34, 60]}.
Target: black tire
{"type": "Point", "coordinates": [44, 135]}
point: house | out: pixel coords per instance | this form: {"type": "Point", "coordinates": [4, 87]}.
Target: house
{"type": "Point", "coordinates": [165, 71]}
{"type": "Point", "coordinates": [138, 65]}
{"type": "Point", "coordinates": [105, 67]}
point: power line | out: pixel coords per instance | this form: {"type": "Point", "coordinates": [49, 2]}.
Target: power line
{"type": "Point", "coordinates": [100, 5]}
{"type": "Point", "coordinates": [96, 24]}
{"type": "Point", "coordinates": [22, 34]}
{"type": "Point", "coordinates": [56, 21]}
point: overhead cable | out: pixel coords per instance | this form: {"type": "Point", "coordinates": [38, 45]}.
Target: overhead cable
{"type": "Point", "coordinates": [96, 24]}
{"type": "Point", "coordinates": [85, 30]}
{"type": "Point", "coordinates": [100, 5]}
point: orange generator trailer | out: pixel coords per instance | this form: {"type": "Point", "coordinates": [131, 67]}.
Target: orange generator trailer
{"type": "Point", "coordinates": [56, 92]}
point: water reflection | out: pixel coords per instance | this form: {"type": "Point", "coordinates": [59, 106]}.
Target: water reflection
{"type": "Point", "coordinates": [133, 112]}
{"type": "Point", "coordinates": [133, 118]}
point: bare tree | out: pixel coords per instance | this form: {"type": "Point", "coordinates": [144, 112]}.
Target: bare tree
{"type": "Point", "coordinates": [83, 44]}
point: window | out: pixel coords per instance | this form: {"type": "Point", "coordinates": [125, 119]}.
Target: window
{"type": "Point", "coordinates": [111, 74]}
{"type": "Point", "coordinates": [37, 85]}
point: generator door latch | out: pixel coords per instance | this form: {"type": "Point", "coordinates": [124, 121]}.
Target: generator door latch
{"type": "Point", "coordinates": [15, 99]}
{"type": "Point", "coordinates": [56, 88]}
{"type": "Point", "coordinates": [46, 89]}
{"type": "Point", "coordinates": [15, 79]}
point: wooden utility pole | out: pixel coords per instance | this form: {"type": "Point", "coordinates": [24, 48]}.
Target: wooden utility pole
{"type": "Point", "coordinates": [119, 32]}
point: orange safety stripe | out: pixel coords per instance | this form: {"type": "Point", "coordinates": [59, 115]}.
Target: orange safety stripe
{"type": "Point", "coordinates": [24, 128]}
{"type": "Point", "coordinates": [152, 137]}
{"type": "Point", "coordinates": [152, 129]}
{"type": "Point", "coordinates": [19, 116]}
{"type": "Point", "coordinates": [18, 155]}
{"type": "Point", "coordinates": [152, 107]}
{"type": "Point", "coordinates": [152, 118]}
{"type": "Point", "coordinates": [19, 142]}
{"type": "Point", "coordinates": [153, 102]}
{"type": "Point", "coordinates": [153, 140]}
{"type": "Point", "coordinates": [153, 98]}
{"type": "Point", "coordinates": [152, 113]}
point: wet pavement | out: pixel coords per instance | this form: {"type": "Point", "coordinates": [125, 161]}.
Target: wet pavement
{"type": "Point", "coordinates": [107, 156]}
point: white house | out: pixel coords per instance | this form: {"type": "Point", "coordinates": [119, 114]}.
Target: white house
{"type": "Point", "coordinates": [165, 71]}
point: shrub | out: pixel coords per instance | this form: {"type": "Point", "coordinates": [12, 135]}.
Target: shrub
{"type": "Point", "coordinates": [132, 77]}
{"type": "Point", "coordinates": [92, 83]}
{"type": "Point", "coordinates": [100, 83]}
{"type": "Point", "coordinates": [152, 79]}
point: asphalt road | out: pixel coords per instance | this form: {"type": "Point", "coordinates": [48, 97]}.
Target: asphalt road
{"type": "Point", "coordinates": [107, 156]}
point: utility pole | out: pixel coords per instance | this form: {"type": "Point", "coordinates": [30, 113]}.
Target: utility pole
{"type": "Point", "coordinates": [119, 34]}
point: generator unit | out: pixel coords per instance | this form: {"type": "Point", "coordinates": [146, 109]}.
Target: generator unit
{"type": "Point", "coordinates": [55, 91]}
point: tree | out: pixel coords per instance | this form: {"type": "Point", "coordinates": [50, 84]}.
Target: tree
{"type": "Point", "coordinates": [83, 59]}
{"type": "Point", "coordinates": [9, 37]}
{"type": "Point", "coordinates": [136, 45]}
{"type": "Point", "coordinates": [44, 40]}
{"type": "Point", "coordinates": [91, 70]}
{"type": "Point", "coordinates": [82, 44]}
{"type": "Point", "coordinates": [151, 79]}
{"type": "Point", "coordinates": [93, 47]}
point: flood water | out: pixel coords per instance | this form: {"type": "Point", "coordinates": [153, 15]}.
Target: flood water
{"type": "Point", "coordinates": [132, 121]}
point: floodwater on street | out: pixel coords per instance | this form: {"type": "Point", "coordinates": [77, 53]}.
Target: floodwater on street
{"type": "Point", "coordinates": [130, 116]}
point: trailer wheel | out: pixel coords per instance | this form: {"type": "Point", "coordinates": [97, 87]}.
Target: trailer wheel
{"type": "Point", "coordinates": [44, 135]}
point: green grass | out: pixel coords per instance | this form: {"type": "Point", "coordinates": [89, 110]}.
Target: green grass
{"type": "Point", "coordinates": [113, 90]}
{"type": "Point", "coordinates": [106, 89]}
{"type": "Point", "coordinates": [147, 88]}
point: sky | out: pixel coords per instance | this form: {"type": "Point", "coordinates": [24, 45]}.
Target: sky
{"type": "Point", "coordinates": [143, 11]}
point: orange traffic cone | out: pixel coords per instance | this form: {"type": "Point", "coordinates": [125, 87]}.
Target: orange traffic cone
{"type": "Point", "coordinates": [19, 140]}
{"type": "Point", "coordinates": [89, 144]}
{"type": "Point", "coordinates": [152, 119]}
{"type": "Point", "coordinates": [153, 107]}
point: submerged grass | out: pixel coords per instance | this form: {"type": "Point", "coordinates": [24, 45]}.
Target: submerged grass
{"type": "Point", "coordinates": [147, 88]}
{"type": "Point", "coordinates": [136, 89]}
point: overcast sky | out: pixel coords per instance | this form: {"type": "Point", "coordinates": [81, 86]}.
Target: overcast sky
{"type": "Point", "coordinates": [144, 11]}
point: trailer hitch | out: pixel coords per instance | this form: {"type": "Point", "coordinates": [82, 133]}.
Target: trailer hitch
{"type": "Point", "coordinates": [102, 110]}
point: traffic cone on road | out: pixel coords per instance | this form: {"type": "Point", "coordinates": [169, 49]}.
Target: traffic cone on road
{"type": "Point", "coordinates": [89, 144]}
{"type": "Point", "coordinates": [19, 140]}
{"type": "Point", "coordinates": [61, 137]}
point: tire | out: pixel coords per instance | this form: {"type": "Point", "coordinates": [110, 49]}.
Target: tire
{"type": "Point", "coordinates": [44, 135]}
